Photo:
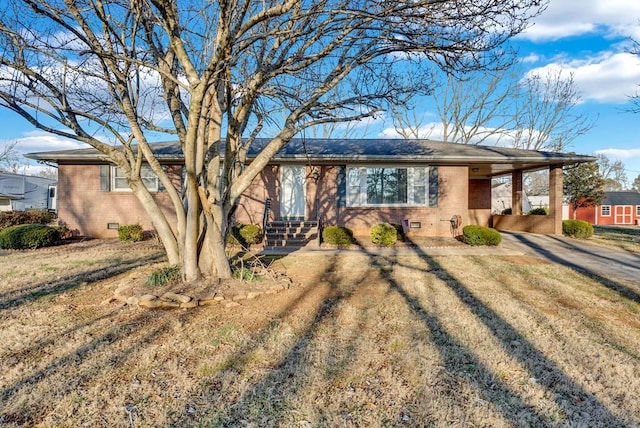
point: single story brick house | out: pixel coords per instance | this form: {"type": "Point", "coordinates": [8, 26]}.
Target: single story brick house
{"type": "Point", "coordinates": [616, 209]}
{"type": "Point", "coordinates": [421, 184]}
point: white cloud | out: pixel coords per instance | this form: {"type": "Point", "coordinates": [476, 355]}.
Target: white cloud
{"type": "Point", "coordinates": [607, 78]}
{"type": "Point", "coordinates": [565, 18]}
{"type": "Point", "coordinates": [621, 154]}
{"type": "Point", "coordinates": [435, 131]}
{"type": "Point", "coordinates": [531, 58]}
{"type": "Point", "coordinates": [40, 141]}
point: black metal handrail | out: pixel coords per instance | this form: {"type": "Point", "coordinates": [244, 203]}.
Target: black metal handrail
{"type": "Point", "coordinates": [265, 216]}
{"type": "Point", "coordinates": [319, 221]}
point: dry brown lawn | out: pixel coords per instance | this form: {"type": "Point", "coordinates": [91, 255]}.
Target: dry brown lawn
{"type": "Point", "coordinates": [362, 339]}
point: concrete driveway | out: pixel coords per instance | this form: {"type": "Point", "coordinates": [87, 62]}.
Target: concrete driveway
{"type": "Point", "coordinates": [603, 263]}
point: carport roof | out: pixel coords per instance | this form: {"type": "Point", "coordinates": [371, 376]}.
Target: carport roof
{"type": "Point", "coordinates": [483, 161]}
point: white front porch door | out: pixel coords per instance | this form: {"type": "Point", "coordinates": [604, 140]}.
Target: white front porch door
{"type": "Point", "coordinates": [292, 202]}
{"type": "Point", "coordinates": [623, 214]}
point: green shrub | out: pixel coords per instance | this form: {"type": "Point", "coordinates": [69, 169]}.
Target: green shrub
{"type": "Point", "coordinates": [28, 236]}
{"type": "Point", "coordinates": [479, 235]}
{"type": "Point", "coordinates": [538, 211]}
{"type": "Point", "coordinates": [131, 233]}
{"type": "Point", "coordinates": [244, 235]}
{"type": "Point", "coordinates": [384, 234]}
{"type": "Point", "coordinates": [14, 218]}
{"type": "Point", "coordinates": [163, 276]}
{"type": "Point", "coordinates": [245, 274]}
{"type": "Point", "coordinates": [577, 229]}
{"type": "Point", "coordinates": [251, 233]}
{"type": "Point", "coordinates": [337, 235]}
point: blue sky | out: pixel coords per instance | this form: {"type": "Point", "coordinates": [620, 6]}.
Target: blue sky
{"type": "Point", "coordinates": [589, 38]}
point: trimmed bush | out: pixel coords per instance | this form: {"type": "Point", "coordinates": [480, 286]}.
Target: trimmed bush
{"type": "Point", "coordinates": [538, 211]}
{"type": "Point", "coordinates": [14, 218]}
{"type": "Point", "coordinates": [251, 233]}
{"type": "Point", "coordinates": [244, 235]}
{"type": "Point", "coordinates": [577, 229]}
{"type": "Point", "coordinates": [479, 235]}
{"type": "Point", "coordinates": [337, 235]}
{"type": "Point", "coordinates": [384, 234]}
{"type": "Point", "coordinates": [131, 233]}
{"type": "Point", "coordinates": [28, 236]}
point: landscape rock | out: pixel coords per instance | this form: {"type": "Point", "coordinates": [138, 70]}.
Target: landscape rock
{"type": "Point", "coordinates": [180, 298]}
{"type": "Point", "coordinates": [151, 304]}
{"type": "Point", "coordinates": [190, 304]}
{"type": "Point", "coordinates": [253, 294]}
{"type": "Point", "coordinates": [132, 301]}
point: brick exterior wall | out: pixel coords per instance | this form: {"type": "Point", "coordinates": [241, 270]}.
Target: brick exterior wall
{"type": "Point", "coordinates": [322, 197]}
{"type": "Point", "coordinates": [480, 202]}
{"type": "Point", "coordinates": [88, 211]}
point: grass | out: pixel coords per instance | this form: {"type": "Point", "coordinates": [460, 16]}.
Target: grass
{"type": "Point", "coordinates": [365, 340]}
{"type": "Point", "coordinates": [626, 238]}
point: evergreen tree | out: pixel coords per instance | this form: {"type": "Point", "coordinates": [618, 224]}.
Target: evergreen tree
{"type": "Point", "coordinates": [583, 186]}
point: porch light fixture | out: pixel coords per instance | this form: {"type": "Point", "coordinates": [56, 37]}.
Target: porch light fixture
{"type": "Point", "coordinates": [315, 175]}
{"type": "Point", "coordinates": [475, 169]}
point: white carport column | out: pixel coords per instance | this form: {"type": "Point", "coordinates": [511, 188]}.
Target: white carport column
{"type": "Point", "coordinates": [555, 197]}
{"type": "Point", "coordinates": [516, 192]}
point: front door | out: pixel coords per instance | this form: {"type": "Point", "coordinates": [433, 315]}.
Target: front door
{"type": "Point", "coordinates": [292, 204]}
{"type": "Point", "coordinates": [623, 214]}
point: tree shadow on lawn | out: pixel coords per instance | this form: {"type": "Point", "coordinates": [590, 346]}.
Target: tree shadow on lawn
{"type": "Point", "coordinates": [570, 397]}
{"type": "Point", "coordinates": [79, 369]}
{"type": "Point", "coordinates": [270, 397]}
{"type": "Point", "coordinates": [27, 294]}
{"type": "Point", "coordinates": [610, 284]}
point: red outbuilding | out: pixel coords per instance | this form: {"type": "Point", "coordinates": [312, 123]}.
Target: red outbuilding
{"type": "Point", "coordinates": [617, 208]}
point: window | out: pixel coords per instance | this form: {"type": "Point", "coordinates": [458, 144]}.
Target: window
{"type": "Point", "coordinates": [119, 181]}
{"type": "Point", "coordinates": [605, 211]}
{"type": "Point", "coordinates": [387, 186]}
{"type": "Point", "coordinates": [637, 210]}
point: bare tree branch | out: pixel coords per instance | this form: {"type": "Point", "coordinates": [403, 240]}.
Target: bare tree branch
{"type": "Point", "coordinates": [209, 72]}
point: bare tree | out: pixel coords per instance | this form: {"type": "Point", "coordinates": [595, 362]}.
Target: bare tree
{"type": "Point", "coordinates": [208, 72]}
{"type": "Point", "coordinates": [8, 155]}
{"type": "Point", "coordinates": [613, 173]}
{"type": "Point", "coordinates": [534, 112]}
{"type": "Point", "coordinates": [544, 116]}
{"type": "Point", "coordinates": [471, 108]}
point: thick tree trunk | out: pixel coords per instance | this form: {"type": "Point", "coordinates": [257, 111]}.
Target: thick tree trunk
{"type": "Point", "coordinates": [214, 262]}
{"type": "Point", "coordinates": [190, 258]}
{"type": "Point", "coordinates": [159, 221]}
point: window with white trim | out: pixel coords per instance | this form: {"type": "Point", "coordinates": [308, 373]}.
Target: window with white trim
{"type": "Point", "coordinates": [119, 181]}
{"type": "Point", "coordinates": [637, 210]}
{"type": "Point", "coordinates": [605, 211]}
{"type": "Point", "coordinates": [387, 186]}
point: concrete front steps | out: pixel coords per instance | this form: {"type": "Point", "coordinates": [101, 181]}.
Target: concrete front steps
{"type": "Point", "coordinates": [291, 234]}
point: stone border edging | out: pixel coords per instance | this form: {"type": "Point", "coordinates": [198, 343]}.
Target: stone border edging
{"type": "Point", "coordinates": [171, 300]}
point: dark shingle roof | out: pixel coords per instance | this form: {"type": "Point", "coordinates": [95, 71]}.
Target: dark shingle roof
{"type": "Point", "coordinates": [621, 198]}
{"type": "Point", "coordinates": [343, 150]}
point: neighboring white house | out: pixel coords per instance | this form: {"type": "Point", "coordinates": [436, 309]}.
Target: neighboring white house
{"type": "Point", "coordinates": [25, 192]}
{"type": "Point", "coordinates": [501, 199]}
